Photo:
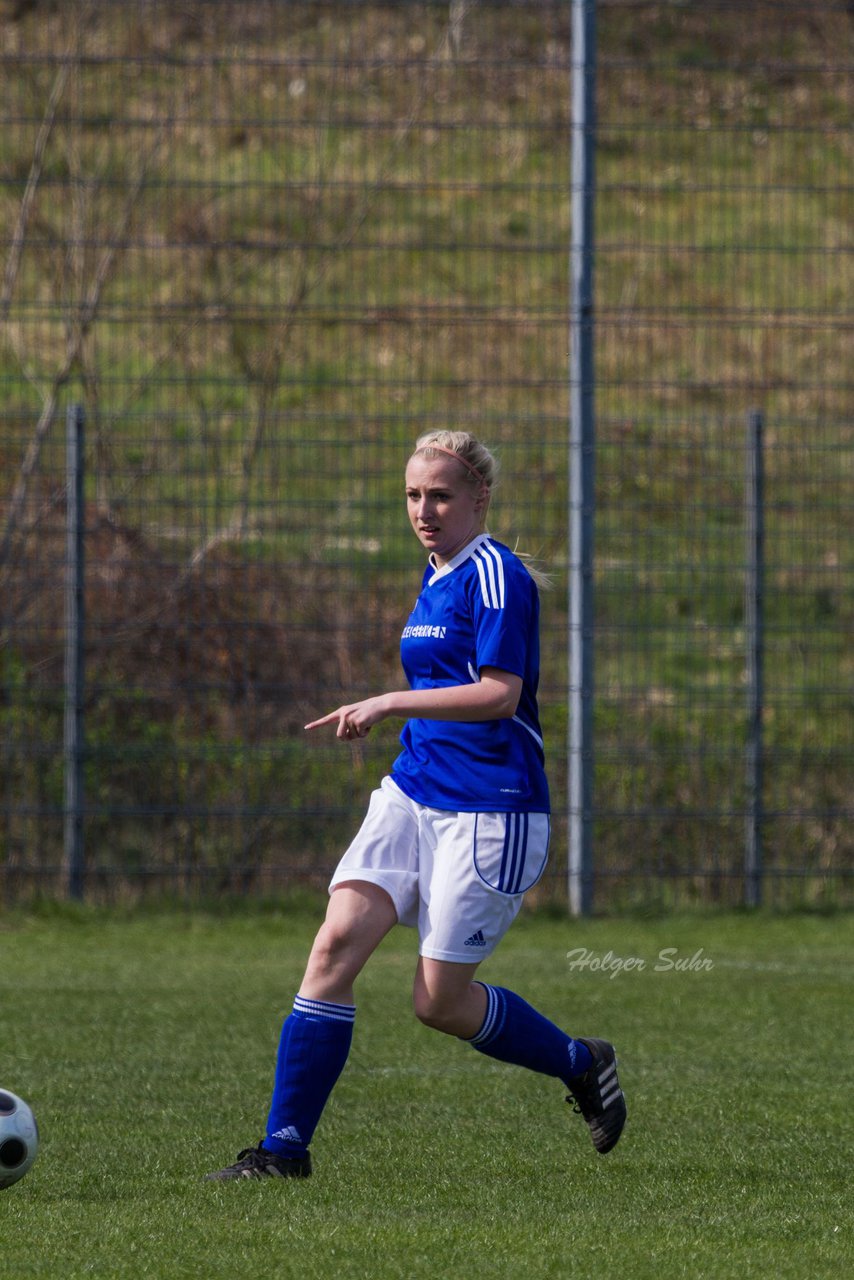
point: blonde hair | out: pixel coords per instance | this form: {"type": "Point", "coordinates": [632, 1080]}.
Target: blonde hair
{"type": "Point", "coordinates": [474, 456]}
{"type": "Point", "coordinates": [481, 468]}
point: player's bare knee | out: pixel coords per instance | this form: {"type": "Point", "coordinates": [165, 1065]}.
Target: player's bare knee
{"type": "Point", "coordinates": [330, 951]}
{"type": "Point", "coordinates": [437, 1014]}
{"type": "Point", "coordinates": [436, 1019]}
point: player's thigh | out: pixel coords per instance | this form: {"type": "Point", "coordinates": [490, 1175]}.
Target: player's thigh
{"type": "Point", "coordinates": [358, 917]}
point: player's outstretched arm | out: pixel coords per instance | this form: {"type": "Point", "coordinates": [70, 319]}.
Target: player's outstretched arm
{"type": "Point", "coordinates": [494, 697]}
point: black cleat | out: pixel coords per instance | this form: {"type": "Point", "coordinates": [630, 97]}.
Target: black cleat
{"type": "Point", "coordinates": [255, 1162]}
{"type": "Point", "coordinates": [597, 1096]}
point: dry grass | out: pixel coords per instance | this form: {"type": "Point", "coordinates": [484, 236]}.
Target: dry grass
{"type": "Point", "coordinates": [267, 244]}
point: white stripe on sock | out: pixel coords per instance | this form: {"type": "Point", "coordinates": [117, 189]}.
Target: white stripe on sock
{"type": "Point", "coordinates": [492, 1010]}
{"type": "Point", "coordinates": [325, 1009]}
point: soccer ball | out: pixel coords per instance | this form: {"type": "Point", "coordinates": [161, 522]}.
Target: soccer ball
{"type": "Point", "coordinates": [19, 1138]}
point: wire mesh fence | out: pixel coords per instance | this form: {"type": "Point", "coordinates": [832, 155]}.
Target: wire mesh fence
{"type": "Point", "coordinates": [264, 245]}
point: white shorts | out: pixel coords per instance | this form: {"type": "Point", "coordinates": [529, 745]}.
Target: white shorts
{"type": "Point", "coordinates": [458, 877]}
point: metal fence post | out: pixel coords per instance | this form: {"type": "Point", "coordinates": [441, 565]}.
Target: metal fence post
{"type": "Point", "coordinates": [73, 741]}
{"type": "Point", "coordinates": [754, 618]}
{"type": "Point", "coordinates": [581, 461]}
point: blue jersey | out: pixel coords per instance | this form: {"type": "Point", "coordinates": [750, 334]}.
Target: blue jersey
{"type": "Point", "coordinates": [479, 610]}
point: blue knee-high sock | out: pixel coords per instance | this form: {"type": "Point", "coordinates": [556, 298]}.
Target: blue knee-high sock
{"type": "Point", "coordinates": [514, 1032]}
{"type": "Point", "coordinates": [315, 1042]}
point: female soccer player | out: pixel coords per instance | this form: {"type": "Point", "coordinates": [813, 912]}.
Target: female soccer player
{"type": "Point", "coordinates": [455, 835]}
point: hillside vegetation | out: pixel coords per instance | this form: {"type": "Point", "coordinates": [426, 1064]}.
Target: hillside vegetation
{"type": "Point", "coordinates": [265, 245]}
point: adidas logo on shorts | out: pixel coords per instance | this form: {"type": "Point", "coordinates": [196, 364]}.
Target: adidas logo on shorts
{"type": "Point", "coordinates": [476, 940]}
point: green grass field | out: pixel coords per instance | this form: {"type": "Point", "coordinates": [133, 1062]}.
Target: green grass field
{"type": "Point", "coordinates": [146, 1046]}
